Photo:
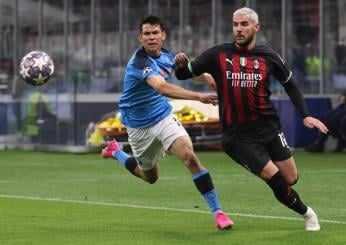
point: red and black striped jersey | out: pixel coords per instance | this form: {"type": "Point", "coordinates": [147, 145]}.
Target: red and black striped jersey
{"type": "Point", "coordinates": [243, 84]}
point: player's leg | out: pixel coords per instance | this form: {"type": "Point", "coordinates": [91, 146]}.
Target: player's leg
{"type": "Point", "coordinates": [113, 150]}
{"type": "Point", "coordinates": [280, 174]}
{"type": "Point", "coordinates": [147, 151]}
{"type": "Point", "coordinates": [288, 196]}
{"type": "Point", "coordinates": [182, 149]}
{"type": "Point", "coordinates": [288, 170]}
{"type": "Point", "coordinates": [281, 189]}
{"type": "Point", "coordinates": [280, 154]}
{"type": "Point", "coordinates": [256, 159]}
{"type": "Point", "coordinates": [176, 140]}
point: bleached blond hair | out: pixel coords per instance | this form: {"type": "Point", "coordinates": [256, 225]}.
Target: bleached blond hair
{"type": "Point", "coordinates": [247, 11]}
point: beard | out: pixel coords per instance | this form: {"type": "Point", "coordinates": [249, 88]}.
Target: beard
{"type": "Point", "coordinates": [247, 41]}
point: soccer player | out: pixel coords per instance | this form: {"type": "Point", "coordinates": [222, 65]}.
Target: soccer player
{"type": "Point", "coordinates": [252, 134]}
{"type": "Point", "coordinates": [151, 126]}
{"type": "Point", "coordinates": [335, 121]}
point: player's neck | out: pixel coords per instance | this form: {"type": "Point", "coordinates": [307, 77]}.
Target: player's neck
{"type": "Point", "coordinates": [153, 53]}
{"type": "Point", "coordinates": [250, 46]}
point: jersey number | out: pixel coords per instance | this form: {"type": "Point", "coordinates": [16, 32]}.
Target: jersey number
{"type": "Point", "coordinates": [283, 139]}
{"type": "Point", "coordinates": [176, 120]}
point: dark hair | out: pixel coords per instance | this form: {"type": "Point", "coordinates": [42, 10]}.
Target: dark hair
{"type": "Point", "coordinates": [152, 20]}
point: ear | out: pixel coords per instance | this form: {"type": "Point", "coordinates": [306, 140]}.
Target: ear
{"type": "Point", "coordinates": [164, 35]}
{"type": "Point", "coordinates": [140, 37]}
{"type": "Point", "coordinates": [257, 26]}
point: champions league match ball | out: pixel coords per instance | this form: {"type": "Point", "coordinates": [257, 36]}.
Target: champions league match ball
{"type": "Point", "coordinates": [36, 68]}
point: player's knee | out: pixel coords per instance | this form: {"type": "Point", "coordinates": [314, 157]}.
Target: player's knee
{"type": "Point", "coordinates": [131, 164]}
{"type": "Point", "coordinates": [191, 161]}
{"type": "Point", "coordinates": [187, 155]}
{"type": "Point", "coordinates": [293, 181]}
{"type": "Point", "coordinates": [150, 176]}
{"type": "Point", "coordinates": [279, 186]}
{"type": "Point", "coordinates": [152, 180]}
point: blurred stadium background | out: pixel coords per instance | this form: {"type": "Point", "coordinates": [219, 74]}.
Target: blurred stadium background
{"type": "Point", "coordinates": [90, 42]}
{"type": "Point", "coordinates": [62, 198]}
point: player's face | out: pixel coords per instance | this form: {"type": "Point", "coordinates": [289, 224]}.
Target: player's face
{"type": "Point", "coordinates": [152, 38]}
{"type": "Point", "coordinates": [244, 31]}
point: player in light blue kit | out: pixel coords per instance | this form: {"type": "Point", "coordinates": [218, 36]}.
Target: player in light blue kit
{"type": "Point", "coordinates": [152, 127]}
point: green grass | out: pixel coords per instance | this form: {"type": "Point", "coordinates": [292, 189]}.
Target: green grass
{"type": "Point", "coordinates": [55, 198]}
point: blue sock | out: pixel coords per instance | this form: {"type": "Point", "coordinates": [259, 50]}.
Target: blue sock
{"type": "Point", "coordinates": [212, 200]}
{"type": "Point", "coordinates": [121, 156]}
{"type": "Point", "coordinates": [205, 186]}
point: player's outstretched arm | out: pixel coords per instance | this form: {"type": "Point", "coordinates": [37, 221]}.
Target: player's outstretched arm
{"type": "Point", "coordinates": [173, 91]}
{"type": "Point", "coordinates": [298, 100]}
{"type": "Point", "coordinates": [206, 77]}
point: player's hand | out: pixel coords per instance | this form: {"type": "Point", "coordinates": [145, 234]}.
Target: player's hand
{"type": "Point", "coordinates": [208, 99]}
{"type": "Point", "coordinates": [311, 122]}
{"type": "Point", "coordinates": [181, 60]}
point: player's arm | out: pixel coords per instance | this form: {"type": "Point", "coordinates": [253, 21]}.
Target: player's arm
{"type": "Point", "coordinates": [206, 77]}
{"type": "Point", "coordinates": [184, 71]}
{"type": "Point", "coordinates": [173, 91]}
{"type": "Point", "coordinates": [282, 73]}
{"type": "Point", "coordinates": [185, 68]}
{"type": "Point", "coordinates": [297, 99]}
{"type": "Point", "coordinates": [296, 96]}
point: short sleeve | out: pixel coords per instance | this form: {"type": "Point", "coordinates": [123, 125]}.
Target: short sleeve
{"type": "Point", "coordinates": [144, 67]}
{"type": "Point", "coordinates": [150, 69]}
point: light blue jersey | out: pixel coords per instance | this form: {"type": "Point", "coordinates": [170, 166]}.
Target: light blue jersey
{"type": "Point", "coordinates": [140, 104]}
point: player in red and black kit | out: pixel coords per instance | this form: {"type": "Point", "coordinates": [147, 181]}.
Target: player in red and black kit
{"type": "Point", "coordinates": [252, 134]}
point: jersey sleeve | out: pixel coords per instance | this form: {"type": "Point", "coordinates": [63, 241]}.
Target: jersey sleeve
{"type": "Point", "coordinates": [281, 72]}
{"type": "Point", "coordinates": [145, 67]}
{"type": "Point", "coordinates": [150, 69]}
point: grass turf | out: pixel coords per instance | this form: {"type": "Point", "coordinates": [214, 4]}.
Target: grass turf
{"type": "Point", "coordinates": [55, 198]}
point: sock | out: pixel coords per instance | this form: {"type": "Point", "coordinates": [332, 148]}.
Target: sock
{"type": "Point", "coordinates": [285, 194]}
{"type": "Point", "coordinates": [121, 156]}
{"type": "Point", "coordinates": [205, 186]}
{"type": "Point", "coordinates": [130, 163]}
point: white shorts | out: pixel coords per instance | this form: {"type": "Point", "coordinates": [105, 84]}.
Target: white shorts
{"type": "Point", "coordinates": [150, 144]}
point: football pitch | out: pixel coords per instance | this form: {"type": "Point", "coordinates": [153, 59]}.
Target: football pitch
{"type": "Point", "coordinates": [58, 198]}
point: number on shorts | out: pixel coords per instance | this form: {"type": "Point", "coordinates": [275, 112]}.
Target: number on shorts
{"type": "Point", "coordinates": [176, 120]}
{"type": "Point", "coordinates": [283, 139]}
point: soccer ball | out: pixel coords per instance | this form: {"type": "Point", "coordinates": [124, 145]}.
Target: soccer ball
{"type": "Point", "coordinates": [36, 68]}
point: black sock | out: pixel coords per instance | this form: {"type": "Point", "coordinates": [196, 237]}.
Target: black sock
{"type": "Point", "coordinates": [285, 194]}
{"type": "Point", "coordinates": [203, 181]}
{"type": "Point", "coordinates": [131, 163]}
{"type": "Point", "coordinates": [205, 186]}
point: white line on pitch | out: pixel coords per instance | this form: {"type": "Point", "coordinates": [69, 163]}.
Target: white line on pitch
{"type": "Point", "coordinates": [161, 208]}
